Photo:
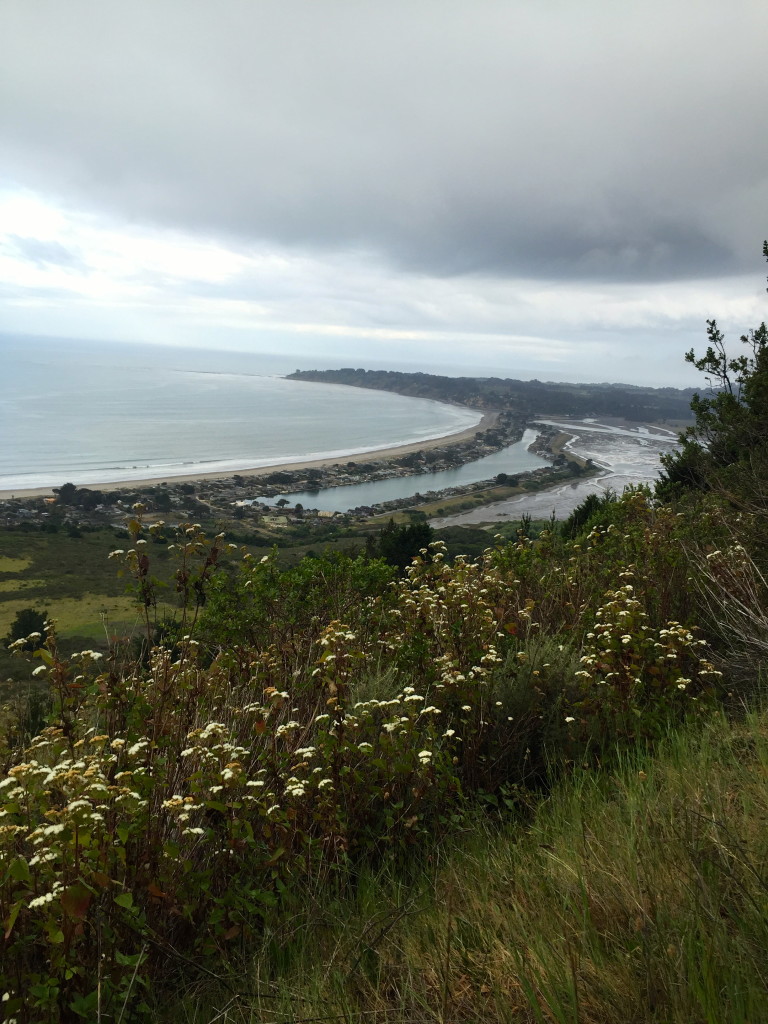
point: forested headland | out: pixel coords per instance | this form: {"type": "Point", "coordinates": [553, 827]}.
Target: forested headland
{"type": "Point", "coordinates": [527, 398]}
{"type": "Point", "coordinates": [528, 785]}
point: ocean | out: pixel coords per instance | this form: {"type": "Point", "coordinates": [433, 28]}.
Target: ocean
{"type": "Point", "coordinates": [102, 413]}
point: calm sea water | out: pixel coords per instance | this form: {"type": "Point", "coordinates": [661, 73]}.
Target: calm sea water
{"type": "Point", "coordinates": [91, 413]}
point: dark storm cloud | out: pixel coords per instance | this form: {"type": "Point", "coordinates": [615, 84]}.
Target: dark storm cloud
{"type": "Point", "coordinates": [556, 140]}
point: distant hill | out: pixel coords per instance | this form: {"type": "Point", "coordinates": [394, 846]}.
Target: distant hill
{"type": "Point", "coordinates": [528, 398]}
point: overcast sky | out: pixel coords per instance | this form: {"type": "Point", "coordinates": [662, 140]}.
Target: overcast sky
{"type": "Point", "coordinates": [564, 189]}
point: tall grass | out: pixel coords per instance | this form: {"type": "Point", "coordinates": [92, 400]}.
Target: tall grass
{"type": "Point", "coordinates": [638, 895]}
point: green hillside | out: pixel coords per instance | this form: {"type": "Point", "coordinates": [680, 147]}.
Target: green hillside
{"type": "Point", "coordinates": [521, 786]}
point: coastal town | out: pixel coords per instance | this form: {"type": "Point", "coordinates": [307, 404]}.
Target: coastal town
{"type": "Point", "coordinates": [248, 499]}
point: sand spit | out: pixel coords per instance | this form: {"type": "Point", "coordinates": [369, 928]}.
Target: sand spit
{"type": "Point", "coordinates": [488, 421]}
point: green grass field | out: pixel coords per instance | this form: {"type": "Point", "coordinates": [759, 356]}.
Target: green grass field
{"type": "Point", "coordinates": [72, 580]}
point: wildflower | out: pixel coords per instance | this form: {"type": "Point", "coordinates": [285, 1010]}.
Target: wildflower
{"type": "Point", "coordinates": [47, 897]}
{"type": "Point", "coordinates": [570, 718]}
{"type": "Point", "coordinates": [39, 670]}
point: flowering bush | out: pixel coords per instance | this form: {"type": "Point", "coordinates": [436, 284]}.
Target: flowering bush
{"type": "Point", "coordinates": [176, 797]}
{"type": "Point", "coordinates": [634, 677]}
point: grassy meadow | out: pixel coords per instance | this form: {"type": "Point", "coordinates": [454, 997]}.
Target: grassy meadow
{"type": "Point", "coordinates": [71, 579]}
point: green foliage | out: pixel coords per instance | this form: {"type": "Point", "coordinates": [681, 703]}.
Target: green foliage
{"type": "Point", "coordinates": [82, 497]}
{"type": "Point", "coordinates": [587, 513]}
{"type": "Point", "coordinates": [27, 627]}
{"type": "Point", "coordinates": [66, 493]}
{"type": "Point", "coordinates": [635, 680]}
{"type": "Point", "coordinates": [260, 604]}
{"type": "Point", "coordinates": [298, 727]}
{"type": "Point", "coordinates": [726, 447]}
{"type": "Point", "coordinates": [399, 545]}
{"type": "Point", "coordinates": [471, 541]}
{"type": "Point", "coordinates": [524, 398]}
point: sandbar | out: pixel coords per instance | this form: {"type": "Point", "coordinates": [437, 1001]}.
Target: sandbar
{"type": "Point", "coordinates": [488, 421]}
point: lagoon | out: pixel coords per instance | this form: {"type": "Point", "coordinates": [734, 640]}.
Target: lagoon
{"type": "Point", "coordinates": [512, 460]}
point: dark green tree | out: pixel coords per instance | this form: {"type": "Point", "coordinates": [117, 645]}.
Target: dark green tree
{"type": "Point", "coordinates": [398, 545]}
{"type": "Point", "coordinates": [161, 499]}
{"type": "Point", "coordinates": [589, 513]}
{"type": "Point", "coordinates": [66, 493]}
{"type": "Point", "coordinates": [28, 620]}
{"type": "Point", "coordinates": [726, 448]}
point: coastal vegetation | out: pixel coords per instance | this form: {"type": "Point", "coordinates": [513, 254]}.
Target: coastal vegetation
{"type": "Point", "coordinates": [66, 575]}
{"type": "Point", "coordinates": [525, 398]}
{"type": "Point", "coordinates": [525, 785]}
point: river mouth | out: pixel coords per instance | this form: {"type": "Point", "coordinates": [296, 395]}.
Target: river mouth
{"type": "Point", "coordinates": [627, 455]}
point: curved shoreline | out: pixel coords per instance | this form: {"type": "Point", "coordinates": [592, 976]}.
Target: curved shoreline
{"type": "Point", "coordinates": [488, 420]}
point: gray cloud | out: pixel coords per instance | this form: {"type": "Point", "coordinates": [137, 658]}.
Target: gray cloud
{"type": "Point", "coordinates": [584, 141]}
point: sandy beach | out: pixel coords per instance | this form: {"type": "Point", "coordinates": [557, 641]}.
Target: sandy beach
{"type": "Point", "coordinates": [489, 420]}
